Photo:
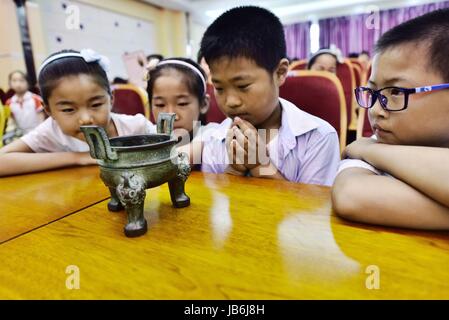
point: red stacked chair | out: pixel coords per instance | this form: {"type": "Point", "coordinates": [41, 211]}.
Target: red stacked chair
{"type": "Point", "coordinates": [129, 99]}
{"type": "Point", "coordinates": [4, 114]}
{"type": "Point", "coordinates": [298, 65]}
{"type": "Point", "coordinates": [2, 96]}
{"type": "Point", "coordinates": [368, 74]}
{"type": "Point", "coordinates": [214, 113]}
{"type": "Point", "coordinates": [356, 62]}
{"type": "Point", "coordinates": [36, 90]}
{"type": "Point", "coordinates": [9, 94]}
{"type": "Point", "coordinates": [363, 126]}
{"type": "Point", "coordinates": [346, 75]}
{"type": "Point", "coordinates": [358, 75]}
{"type": "Point", "coordinates": [320, 94]}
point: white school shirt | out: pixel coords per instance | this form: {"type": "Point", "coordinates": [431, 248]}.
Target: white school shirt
{"type": "Point", "coordinates": [357, 163]}
{"type": "Point", "coordinates": [26, 112]}
{"type": "Point", "coordinates": [48, 137]}
{"type": "Point", "coordinates": [305, 150]}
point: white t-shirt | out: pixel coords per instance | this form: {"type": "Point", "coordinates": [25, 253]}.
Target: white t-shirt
{"type": "Point", "coordinates": [204, 133]}
{"type": "Point", "coordinates": [356, 163]}
{"type": "Point", "coordinates": [26, 111]}
{"type": "Point", "coordinates": [48, 136]}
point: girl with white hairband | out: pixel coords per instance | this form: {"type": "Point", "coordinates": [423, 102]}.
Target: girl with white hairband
{"type": "Point", "coordinates": [75, 92]}
{"type": "Point", "coordinates": [178, 85]}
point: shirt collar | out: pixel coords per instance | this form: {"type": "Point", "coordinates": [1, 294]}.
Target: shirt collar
{"type": "Point", "coordinates": [26, 96]}
{"type": "Point", "coordinates": [294, 122]}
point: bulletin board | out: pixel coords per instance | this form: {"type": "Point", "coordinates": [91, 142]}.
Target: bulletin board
{"type": "Point", "coordinates": [107, 32]}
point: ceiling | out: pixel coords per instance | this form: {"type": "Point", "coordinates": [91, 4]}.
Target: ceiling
{"type": "Point", "coordinates": [289, 11]}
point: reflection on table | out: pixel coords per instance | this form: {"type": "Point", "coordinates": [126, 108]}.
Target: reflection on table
{"type": "Point", "coordinates": [241, 238]}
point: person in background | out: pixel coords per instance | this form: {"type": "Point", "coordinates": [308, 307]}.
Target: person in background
{"type": "Point", "coordinates": [364, 60]}
{"type": "Point", "coordinates": [26, 107]}
{"type": "Point", "coordinates": [324, 60]}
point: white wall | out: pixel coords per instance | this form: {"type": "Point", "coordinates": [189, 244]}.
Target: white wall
{"type": "Point", "coordinates": [109, 33]}
{"type": "Point", "coordinates": [196, 34]}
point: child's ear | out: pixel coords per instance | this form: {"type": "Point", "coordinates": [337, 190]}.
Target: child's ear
{"type": "Point", "coordinates": [281, 71]}
{"type": "Point", "coordinates": [47, 110]}
{"type": "Point", "coordinates": [111, 97]}
{"type": "Point", "coordinates": [205, 107]}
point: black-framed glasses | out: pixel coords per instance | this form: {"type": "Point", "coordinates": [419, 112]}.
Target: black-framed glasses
{"type": "Point", "coordinates": [391, 98]}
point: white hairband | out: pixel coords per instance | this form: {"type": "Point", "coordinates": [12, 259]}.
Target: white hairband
{"type": "Point", "coordinates": [188, 65]}
{"type": "Point", "coordinates": [87, 55]}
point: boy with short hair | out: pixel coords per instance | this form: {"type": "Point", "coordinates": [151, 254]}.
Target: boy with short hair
{"type": "Point", "coordinates": [402, 178]}
{"type": "Point", "coordinates": [264, 135]}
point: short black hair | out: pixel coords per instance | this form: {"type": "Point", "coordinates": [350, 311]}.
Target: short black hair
{"type": "Point", "coordinates": [194, 83]}
{"type": "Point", "coordinates": [248, 31]}
{"type": "Point", "coordinates": [353, 55]}
{"type": "Point", "coordinates": [320, 52]}
{"type": "Point", "coordinates": [431, 29]}
{"type": "Point", "coordinates": [364, 52]}
{"type": "Point", "coordinates": [53, 72]}
{"type": "Point", "coordinates": [119, 80]}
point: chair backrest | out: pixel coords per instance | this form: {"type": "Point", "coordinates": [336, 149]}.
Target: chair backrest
{"type": "Point", "coordinates": [320, 94]}
{"type": "Point", "coordinates": [358, 75]}
{"type": "Point", "coordinates": [2, 96]}
{"type": "Point", "coordinates": [4, 114]}
{"type": "Point", "coordinates": [9, 94]}
{"type": "Point", "coordinates": [214, 113]}
{"type": "Point", "coordinates": [130, 99]}
{"type": "Point", "coordinates": [363, 126]}
{"type": "Point", "coordinates": [356, 61]}
{"type": "Point", "coordinates": [346, 75]}
{"type": "Point", "coordinates": [367, 75]}
{"type": "Point", "coordinates": [36, 90]}
{"type": "Point", "coordinates": [298, 65]}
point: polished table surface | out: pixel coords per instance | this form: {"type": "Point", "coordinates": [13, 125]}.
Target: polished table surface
{"type": "Point", "coordinates": [30, 201]}
{"type": "Point", "coordinates": [241, 238]}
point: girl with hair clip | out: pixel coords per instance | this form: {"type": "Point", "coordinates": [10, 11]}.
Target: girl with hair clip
{"type": "Point", "coordinates": [178, 85]}
{"type": "Point", "coordinates": [75, 92]}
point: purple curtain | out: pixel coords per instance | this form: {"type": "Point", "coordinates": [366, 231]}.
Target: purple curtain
{"type": "Point", "coordinates": [297, 38]}
{"type": "Point", "coordinates": [360, 32]}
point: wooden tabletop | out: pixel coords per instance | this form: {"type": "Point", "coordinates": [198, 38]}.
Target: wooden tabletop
{"type": "Point", "coordinates": [241, 238]}
{"type": "Point", "coordinates": [32, 200]}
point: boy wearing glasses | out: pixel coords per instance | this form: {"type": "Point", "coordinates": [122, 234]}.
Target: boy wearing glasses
{"type": "Point", "coordinates": [401, 178]}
